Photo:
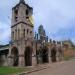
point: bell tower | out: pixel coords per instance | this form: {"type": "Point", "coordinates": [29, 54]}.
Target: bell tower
{"type": "Point", "coordinates": [22, 1]}
{"type": "Point", "coordinates": [21, 31]}
{"type": "Point", "coordinates": [22, 23]}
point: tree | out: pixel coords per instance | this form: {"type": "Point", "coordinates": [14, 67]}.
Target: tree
{"type": "Point", "coordinates": [41, 33]}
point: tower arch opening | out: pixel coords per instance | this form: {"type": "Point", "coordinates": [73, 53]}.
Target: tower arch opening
{"type": "Point", "coordinates": [53, 54]}
{"type": "Point", "coordinates": [28, 56]}
{"type": "Point", "coordinates": [44, 55]}
{"type": "Point", "coordinates": [15, 56]}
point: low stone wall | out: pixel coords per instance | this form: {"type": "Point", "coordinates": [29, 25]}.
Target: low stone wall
{"type": "Point", "coordinates": [3, 60]}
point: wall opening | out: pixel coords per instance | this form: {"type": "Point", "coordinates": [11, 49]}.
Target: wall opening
{"type": "Point", "coordinates": [15, 56]}
{"type": "Point", "coordinates": [28, 56]}
{"type": "Point", "coordinates": [45, 55]}
{"type": "Point", "coordinates": [53, 55]}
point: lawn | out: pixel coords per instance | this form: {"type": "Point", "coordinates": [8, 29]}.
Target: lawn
{"type": "Point", "coordinates": [11, 70]}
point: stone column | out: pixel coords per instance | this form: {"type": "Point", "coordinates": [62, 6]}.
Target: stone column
{"type": "Point", "coordinates": [50, 59]}
{"type": "Point", "coordinates": [34, 61]}
{"type": "Point", "coordinates": [21, 61]}
{"type": "Point", "coordinates": [10, 58]}
{"type": "Point", "coordinates": [10, 61]}
{"type": "Point", "coordinates": [49, 54]}
{"type": "Point", "coordinates": [21, 54]}
{"type": "Point", "coordinates": [57, 57]}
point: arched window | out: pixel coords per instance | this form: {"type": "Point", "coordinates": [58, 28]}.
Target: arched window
{"type": "Point", "coordinates": [30, 32]}
{"type": "Point", "coordinates": [16, 15]}
{"type": "Point", "coordinates": [16, 12]}
{"type": "Point", "coordinates": [27, 12]}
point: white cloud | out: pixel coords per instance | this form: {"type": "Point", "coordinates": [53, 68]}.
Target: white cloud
{"type": "Point", "coordinates": [56, 16]}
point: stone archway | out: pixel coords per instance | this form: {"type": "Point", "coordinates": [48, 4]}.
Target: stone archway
{"type": "Point", "coordinates": [15, 56]}
{"type": "Point", "coordinates": [53, 54]}
{"type": "Point", "coordinates": [28, 56]}
{"type": "Point", "coordinates": [44, 54]}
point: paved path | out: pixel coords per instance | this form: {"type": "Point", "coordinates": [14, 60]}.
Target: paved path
{"type": "Point", "coordinates": [63, 68]}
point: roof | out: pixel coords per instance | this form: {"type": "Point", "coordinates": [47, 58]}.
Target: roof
{"type": "Point", "coordinates": [4, 45]}
{"type": "Point", "coordinates": [22, 2]}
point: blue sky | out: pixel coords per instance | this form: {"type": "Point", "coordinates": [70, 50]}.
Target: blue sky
{"type": "Point", "coordinates": [57, 17]}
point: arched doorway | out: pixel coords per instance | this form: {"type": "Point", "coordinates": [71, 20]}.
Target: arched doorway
{"type": "Point", "coordinates": [28, 56]}
{"type": "Point", "coordinates": [53, 54]}
{"type": "Point", "coordinates": [44, 54]}
{"type": "Point", "coordinates": [15, 57]}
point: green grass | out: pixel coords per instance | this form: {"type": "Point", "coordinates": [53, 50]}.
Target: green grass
{"type": "Point", "coordinates": [11, 70]}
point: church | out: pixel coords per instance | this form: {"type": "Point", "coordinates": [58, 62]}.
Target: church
{"type": "Point", "coordinates": [24, 48]}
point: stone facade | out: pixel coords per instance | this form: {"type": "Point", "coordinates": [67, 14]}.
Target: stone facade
{"type": "Point", "coordinates": [21, 33]}
{"type": "Point", "coordinates": [24, 49]}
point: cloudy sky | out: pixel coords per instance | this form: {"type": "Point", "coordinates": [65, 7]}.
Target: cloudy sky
{"type": "Point", "coordinates": [57, 17]}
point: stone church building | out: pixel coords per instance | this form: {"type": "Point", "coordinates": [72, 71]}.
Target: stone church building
{"type": "Point", "coordinates": [24, 49]}
{"type": "Point", "coordinates": [21, 47]}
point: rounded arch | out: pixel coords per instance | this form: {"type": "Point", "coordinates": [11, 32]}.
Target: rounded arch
{"type": "Point", "coordinates": [44, 54]}
{"type": "Point", "coordinates": [15, 56]}
{"type": "Point", "coordinates": [28, 56]}
{"type": "Point", "coordinates": [53, 54]}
